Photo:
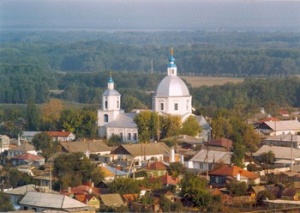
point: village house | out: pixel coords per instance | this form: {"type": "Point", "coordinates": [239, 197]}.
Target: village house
{"type": "Point", "coordinates": [96, 147]}
{"type": "Point", "coordinates": [4, 143]}
{"type": "Point", "coordinates": [142, 152]}
{"type": "Point", "coordinates": [156, 168]}
{"type": "Point", "coordinates": [55, 135]}
{"type": "Point", "coordinates": [28, 159]}
{"type": "Point", "coordinates": [41, 202]}
{"type": "Point", "coordinates": [286, 140]}
{"type": "Point", "coordinates": [204, 160]}
{"type": "Point", "coordinates": [21, 149]}
{"type": "Point", "coordinates": [220, 176]}
{"type": "Point", "coordinates": [281, 127]}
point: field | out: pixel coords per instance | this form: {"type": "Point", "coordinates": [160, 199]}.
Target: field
{"type": "Point", "coordinates": [198, 81]}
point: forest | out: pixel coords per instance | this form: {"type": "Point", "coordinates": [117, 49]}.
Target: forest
{"type": "Point", "coordinates": [74, 66]}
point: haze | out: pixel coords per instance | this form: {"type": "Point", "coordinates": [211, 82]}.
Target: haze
{"type": "Point", "coordinates": [149, 15]}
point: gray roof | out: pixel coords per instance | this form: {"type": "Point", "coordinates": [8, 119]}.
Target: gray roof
{"type": "Point", "coordinates": [145, 149]}
{"type": "Point", "coordinates": [283, 125]}
{"type": "Point", "coordinates": [111, 92]}
{"type": "Point", "coordinates": [279, 152]}
{"type": "Point", "coordinates": [172, 86]}
{"type": "Point", "coordinates": [123, 120]}
{"type": "Point", "coordinates": [83, 146]}
{"type": "Point", "coordinates": [112, 200]}
{"type": "Point", "coordinates": [21, 190]}
{"type": "Point", "coordinates": [212, 156]}
{"type": "Point", "coordinates": [45, 200]}
{"type": "Point", "coordinates": [29, 133]}
{"type": "Point", "coordinates": [202, 122]}
{"type": "Point", "coordinates": [24, 147]}
{"type": "Point", "coordinates": [184, 138]}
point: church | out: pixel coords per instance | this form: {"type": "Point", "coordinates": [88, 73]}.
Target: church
{"type": "Point", "coordinates": [172, 96]}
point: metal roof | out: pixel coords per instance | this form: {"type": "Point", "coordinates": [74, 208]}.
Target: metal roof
{"type": "Point", "coordinates": [82, 146]}
{"type": "Point", "coordinates": [111, 92]}
{"type": "Point", "coordinates": [172, 86]}
{"type": "Point", "coordinates": [112, 200]}
{"type": "Point", "coordinates": [123, 120]}
{"type": "Point", "coordinates": [211, 156]}
{"type": "Point", "coordinates": [46, 200]}
{"type": "Point", "coordinates": [279, 152]}
{"type": "Point", "coordinates": [283, 125]}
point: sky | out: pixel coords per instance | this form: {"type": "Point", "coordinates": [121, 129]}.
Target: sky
{"type": "Point", "coordinates": [151, 15]}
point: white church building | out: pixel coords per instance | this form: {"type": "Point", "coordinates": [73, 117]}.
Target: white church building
{"type": "Point", "coordinates": [171, 97]}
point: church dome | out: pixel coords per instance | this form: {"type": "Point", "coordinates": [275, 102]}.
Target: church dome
{"type": "Point", "coordinates": [172, 86]}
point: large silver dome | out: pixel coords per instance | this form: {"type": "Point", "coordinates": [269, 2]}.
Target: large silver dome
{"type": "Point", "coordinates": [172, 86]}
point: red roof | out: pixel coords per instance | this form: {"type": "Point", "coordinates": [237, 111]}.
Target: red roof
{"type": "Point", "coordinates": [157, 165]}
{"type": "Point", "coordinates": [28, 156]}
{"type": "Point", "coordinates": [58, 134]}
{"type": "Point", "coordinates": [222, 142]}
{"type": "Point", "coordinates": [227, 170]}
{"type": "Point", "coordinates": [81, 190]}
{"type": "Point", "coordinates": [269, 119]}
{"type": "Point", "coordinates": [168, 180]}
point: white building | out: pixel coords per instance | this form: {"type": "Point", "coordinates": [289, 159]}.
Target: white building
{"type": "Point", "coordinates": [172, 97]}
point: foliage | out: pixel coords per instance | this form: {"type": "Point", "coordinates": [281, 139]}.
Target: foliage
{"type": "Point", "coordinates": [5, 204]}
{"type": "Point", "coordinates": [194, 189]}
{"type": "Point", "coordinates": [33, 117]}
{"type": "Point", "coordinates": [267, 157]}
{"type": "Point", "coordinates": [42, 141]}
{"type": "Point", "coordinates": [81, 122]}
{"type": "Point", "coordinates": [125, 186]}
{"type": "Point", "coordinates": [175, 169]}
{"type": "Point", "coordinates": [148, 125]}
{"type": "Point", "coordinates": [114, 140]}
{"type": "Point", "coordinates": [72, 174]}
{"type": "Point", "coordinates": [17, 178]}
{"type": "Point", "coordinates": [237, 188]}
{"type": "Point", "coordinates": [243, 135]}
{"type": "Point", "coordinates": [191, 127]}
{"type": "Point", "coordinates": [171, 125]}
{"type": "Point", "coordinates": [51, 112]}
{"type": "Point", "coordinates": [263, 195]}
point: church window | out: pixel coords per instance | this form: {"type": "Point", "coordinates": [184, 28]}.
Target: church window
{"type": "Point", "coordinates": [129, 136]}
{"type": "Point", "coordinates": [134, 136]}
{"type": "Point", "coordinates": [176, 106]}
{"type": "Point", "coordinates": [121, 135]}
{"type": "Point", "coordinates": [161, 106]}
{"type": "Point", "coordinates": [187, 104]}
{"type": "Point", "coordinates": [105, 104]}
{"type": "Point", "coordinates": [118, 104]}
{"type": "Point", "coordinates": [105, 118]}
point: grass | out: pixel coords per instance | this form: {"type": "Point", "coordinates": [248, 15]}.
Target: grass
{"type": "Point", "coordinates": [198, 81]}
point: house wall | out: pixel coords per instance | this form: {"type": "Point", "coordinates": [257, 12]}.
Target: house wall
{"type": "Point", "coordinates": [123, 132]}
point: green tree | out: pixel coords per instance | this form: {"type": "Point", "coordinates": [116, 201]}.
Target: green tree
{"type": "Point", "coordinates": [263, 195]}
{"type": "Point", "coordinates": [17, 178]}
{"type": "Point", "coordinates": [42, 141]}
{"type": "Point", "coordinates": [175, 169]}
{"type": "Point", "coordinates": [125, 186]}
{"type": "Point", "coordinates": [190, 127]}
{"type": "Point", "coordinates": [237, 188]}
{"type": "Point", "coordinates": [72, 174]}
{"type": "Point", "coordinates": [143, 121]}
{"type": "Point", "coordinates": [5, 204]}
{"type": "Point", "coordinates": [171, 125]}
{"type": "Point", "coordinates": [267, 157]}
{"type": "Point", "coordinates": [33, 116]}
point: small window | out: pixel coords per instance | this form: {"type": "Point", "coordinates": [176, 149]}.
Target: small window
{"type": "Point", "coordinates": [176, 106]}
{"type": "Point", "coordinates": [129, 136]}
{"type": "Point", "coordinates": [105, 118]}
{"type": "Point", "coordinates": [106, 104]}
{"type": "Point", "coordinates": [121, 135]}
{"type": "Point", "coordinates": [118, 104]}
{"type": "Point", "coordinates": [161, 106]}
{"type": "Point", "coordinates": [134, 136]}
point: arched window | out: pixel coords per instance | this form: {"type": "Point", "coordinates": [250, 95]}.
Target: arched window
{"type": "Point", "coordinates": [161, 106]}
{"type": "Point", "coordinates": [118, 104]}
{"type": "Point", "coordinates": [105, 118]}
{"type": "Point", "coordinates": [105, 104]}
{"type": "Point", "coordinates": [176, 106]}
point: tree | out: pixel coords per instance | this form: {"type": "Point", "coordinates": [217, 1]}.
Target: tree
{"type": "Point", "coordinates": [263, 195]}
{"type": "Point", "coordinates": [125, 186]}
{"type": "Point", "coordinates": [42, 141]}
{"type": "Point", "coordinates": [190, 127]}
{"type": "Point", "coordinates": [237, 188]}
{"type": "Point", "coordinates": [51, 112]}
{"type": "Point", "coordinates": [72, 174]}
{"type": "Point", "coordinates": [17, 178]}
{"type": "Point", "coordinates": [143, 121]}
{"type": "Point", "coordinates": [33, 116]}
{"type": "Point", "coordinates": [267, 157]}
{"type": "Point", "coordinates": [175, 169]}
{"type": "Point", "coordinates": [5, 204]}
{"type": "Point", "coordinates": [171, 125]}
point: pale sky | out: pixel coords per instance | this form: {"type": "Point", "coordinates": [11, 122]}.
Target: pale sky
{"type": "Point", "coordinates": [150, 14]}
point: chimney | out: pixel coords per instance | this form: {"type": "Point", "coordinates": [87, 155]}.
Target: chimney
{"type": "Point", "coordinates": [238, 176]}
{"type": "Point", "coordinates": [172, 157]}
